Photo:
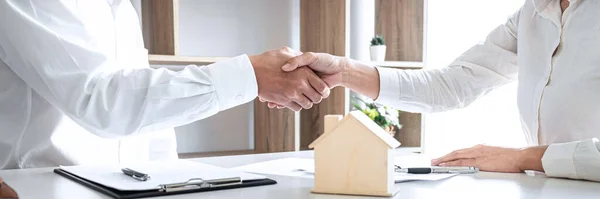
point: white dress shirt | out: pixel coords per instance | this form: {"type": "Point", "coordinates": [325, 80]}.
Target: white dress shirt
{"type": "Point", "coordinates": [75, 72]}
{"type": "Point", "coordinates": [555, 58]}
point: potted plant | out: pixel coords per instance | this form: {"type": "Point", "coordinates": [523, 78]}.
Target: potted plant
{"type": "Point", "coordinates": [378, 49]}
{"type": "Point", "coordinates": [386, 117]}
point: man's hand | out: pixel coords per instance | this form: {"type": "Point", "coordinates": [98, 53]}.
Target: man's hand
{"type": "Point", "coordinates": [294, 90]}
{"type": "Point", "coordinates": [340, 71]}
{"type": "Point", "coordinates": [495, 159]}
{"type": "Point", "coordinates": [330, 68]}
{"type": "Point", "coordinates": [337, 71]}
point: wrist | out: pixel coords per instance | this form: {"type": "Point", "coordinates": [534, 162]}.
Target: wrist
{"type": "Point", "coordinates": [347, 67]}
{"type": "Point", "coordinates": [253, 59]}
{"type": "Point", "coordinates": [530, 158]}
{"type": "Point", "coordinates": [360, 78]}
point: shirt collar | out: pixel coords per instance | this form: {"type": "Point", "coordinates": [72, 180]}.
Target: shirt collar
{"type": "Point", "coordinates": [540, 5]}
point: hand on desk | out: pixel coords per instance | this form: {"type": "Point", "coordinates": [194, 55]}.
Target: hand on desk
{"type": "Point", "coordinates": [495, 159]}
{"type": "Point", "coordinates": [294, 90]}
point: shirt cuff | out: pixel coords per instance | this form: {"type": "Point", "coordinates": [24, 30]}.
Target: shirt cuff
{"type": "Point", "coordinates": [389, 86]}
{"type": "Point", "coordinates": [558, 160]}
{"type": "Point", "coordinates": [234, 81]}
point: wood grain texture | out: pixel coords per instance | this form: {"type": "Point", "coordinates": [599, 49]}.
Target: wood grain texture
{"type": "Point", "coordinates": [331, 121]}
{"type": "Point", "coordinates": [322, 29]}
{"type": "Point", "coordinates": [160, 22]}
{"type": "Point", "coordinates": [410, 134]}
{"type": "Point", "coordinates": [273, 129]}
{"type": "Point", "coordinates": [400, 22]}
{"type": "Point", "coordinates": [352, 160]}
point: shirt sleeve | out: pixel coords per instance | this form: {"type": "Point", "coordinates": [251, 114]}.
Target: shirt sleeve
{"type": "Point", "coordinates": [575, 160]}
{"type": "Point", "coordinates": [476, 72]}
{"type": "Point", "coordinates": [50, 48]}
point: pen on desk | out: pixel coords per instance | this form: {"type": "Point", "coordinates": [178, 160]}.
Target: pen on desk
{"type": "Point", "coordinates": [135, 174]}
{"type": "Point", "coordinates": [428, 170]}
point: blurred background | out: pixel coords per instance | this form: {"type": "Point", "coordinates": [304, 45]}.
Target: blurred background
{"type": "Point", "coordinates": [417, 33]}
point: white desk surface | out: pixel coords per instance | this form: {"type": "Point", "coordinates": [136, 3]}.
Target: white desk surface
{"type": "Point", "coordinates": [43, 183]}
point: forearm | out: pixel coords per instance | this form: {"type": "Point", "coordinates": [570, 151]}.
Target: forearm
{"type": "Point", "coordinates": [575, 160]}
{"type": "Point", "coordinates": [361, 78]}
{"type": "Point", "coordinates": [530, 158]}
{"type": "Point", "coordinates": [152, 100]}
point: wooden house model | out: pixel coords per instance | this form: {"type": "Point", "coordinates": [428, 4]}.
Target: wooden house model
{"type": "Point", "coordinates": [354, 157]}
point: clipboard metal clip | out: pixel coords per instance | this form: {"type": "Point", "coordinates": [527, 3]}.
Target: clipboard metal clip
{"type": "Point", "coordinates": [199, 183]}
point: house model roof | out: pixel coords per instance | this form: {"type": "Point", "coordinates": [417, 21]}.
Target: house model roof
{"type": "Point", "coordinates": [369, 124]}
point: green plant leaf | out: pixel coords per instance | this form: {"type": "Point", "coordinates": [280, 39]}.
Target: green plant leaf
{"type": "Point", "coordinates": [377, 40]}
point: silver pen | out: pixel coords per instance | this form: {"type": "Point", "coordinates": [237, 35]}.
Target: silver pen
{"type": "Point", "coordinates": [428, 170]}
{"type": "Point", "coordinates": [135, 174]}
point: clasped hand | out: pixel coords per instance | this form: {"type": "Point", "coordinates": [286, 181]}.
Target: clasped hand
{"type": "Point", "coordinates": [283, 83]}
{"type": "Point", "coordinates": [297, 89]}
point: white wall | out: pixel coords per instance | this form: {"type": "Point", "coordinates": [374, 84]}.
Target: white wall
{"type": "Point", "coordinates": [231, 28]}
{"type": "Point", "coordinates": [362, 30]}
{"type": "Point", "coordinates": [492, 119]}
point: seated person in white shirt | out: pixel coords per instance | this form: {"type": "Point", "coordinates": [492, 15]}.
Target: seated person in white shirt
{"type": "Point", "coordinates": [74, 73]}
{"type": "Point", "coordinates": [549, 46]}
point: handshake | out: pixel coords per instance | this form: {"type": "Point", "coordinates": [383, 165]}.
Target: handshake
{"type": "Point", "coordinates": [284, 82]}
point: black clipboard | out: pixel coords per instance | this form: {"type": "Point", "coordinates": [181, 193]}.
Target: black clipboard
{"type": "Point", "coordinates": [117, 194]}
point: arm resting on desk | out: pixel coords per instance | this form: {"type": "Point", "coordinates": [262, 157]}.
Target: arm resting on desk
{"type": "Point", "coordinates": [575, 160]}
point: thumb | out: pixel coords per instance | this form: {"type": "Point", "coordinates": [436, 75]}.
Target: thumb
{"type": "Point", "coordinates": [305, 59]}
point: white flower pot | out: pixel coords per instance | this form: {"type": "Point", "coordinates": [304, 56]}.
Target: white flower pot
{"type": "Point", "coordinates": [378, 53]}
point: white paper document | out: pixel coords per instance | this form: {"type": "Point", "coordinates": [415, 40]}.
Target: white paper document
{"type": "Point", "coordinates": [160, 172]}
{"type": "Point", "coordinates": [305, 168]}
{"type": "Point", "coordinates": [296, 167]}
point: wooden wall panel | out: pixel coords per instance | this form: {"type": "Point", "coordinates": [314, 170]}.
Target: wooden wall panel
{"type": "Point", "coordinates": [273, 129]}
{"type": "Point", "coordinates": [160, 22]}
{"type": "Point", "coordinates": [410, 134]}
{"type": "Point", "coordinates": [401, 24]}
{"type": "Point", "coordinates": [322, 29]}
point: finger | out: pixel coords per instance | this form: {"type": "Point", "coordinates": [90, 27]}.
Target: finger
{"type": "Point", "coordinates": [303, 101]}
{"type": "Point", "coordinates": [314, 97]}
{"type": "Point", "coordinates": [310, 93]}
{"type": "Point", "coordinates": [319, 86]}
{"type": "Point", "coordinates": [278, 106]}
{"type": "Point", "coordinates": [455, 155]}
{"type": "Point", "coordinates": [293, 106]}
{"type": "Point", "coordinates": [459, 163]}
{"type": "Point", "coordinates": [261, 100]}
{"type": "Point", "coordinates": [302, 60]}
{"type": "Point", "coordinates": [273, 104]}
